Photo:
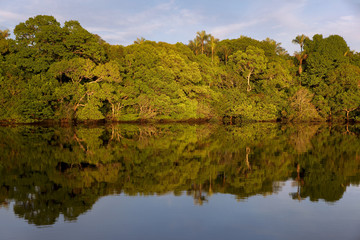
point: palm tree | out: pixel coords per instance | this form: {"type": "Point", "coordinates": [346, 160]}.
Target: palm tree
{"type": "Point", "coordinates": [139, 40]}
{"type": "Point", "coordinates": [300, 39]}
{"type": "Point", "coordinates": [278, 49]}
{"type": "Point", "coordinates": [213, 43]}
{"type": "Point", "coordinates": [203, 38]}
{"type": "Point", "coordinates": [300, 57]}
{"type": "Point", "coordinates": [194, 45]}
{"type": "Point", "coordinates": [226, 51]}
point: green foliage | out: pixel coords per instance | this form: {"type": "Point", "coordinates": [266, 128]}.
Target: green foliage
{"type": "Point", "coordinates": [34, 100]}
{"type": "Point", "coordinates": [4, 42]}
{"type": "Point", "coordinates": [325, 54]}
{"type": "Point", "coordinates": [301, 107]}
{"type": "Point", "coordinates": [54, 72]}
{"type": "Point", "coordinates": [251, 62]}
{"type": "Point", "coordinates": [80, 43]}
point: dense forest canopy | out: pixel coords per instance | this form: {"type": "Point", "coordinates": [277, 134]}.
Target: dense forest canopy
{"type": "Point", "coordinates": [65, 73]}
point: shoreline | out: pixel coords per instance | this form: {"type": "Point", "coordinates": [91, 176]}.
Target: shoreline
{"type": "Point", "coordinates": [104, 122]}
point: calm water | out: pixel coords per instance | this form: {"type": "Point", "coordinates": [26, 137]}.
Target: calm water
{"type": "Point", "coordinates": [258, 181]}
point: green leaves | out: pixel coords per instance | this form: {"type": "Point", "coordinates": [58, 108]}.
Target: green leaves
{"type": "Point", "coordinates": [64, 72]}
{"type": "Point", "coordinates": [252, 61]}
{"type": "Point", "coordinates": [79, 42]}
{"type": "Point", "coordinates": [77, 70]}
{"type": "Point", "coordinates": [301, 107]}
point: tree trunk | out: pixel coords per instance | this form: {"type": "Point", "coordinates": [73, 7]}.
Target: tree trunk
{"type": "Point", "coordinates": [113, 110]}
{"type": "Point", "coordinates": [248, 82]}
{"type": "Point", "coordinates": [212, 54]}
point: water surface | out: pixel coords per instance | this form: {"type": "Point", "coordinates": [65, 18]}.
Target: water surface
{"type": "Point", "coordinates": [179, 181]}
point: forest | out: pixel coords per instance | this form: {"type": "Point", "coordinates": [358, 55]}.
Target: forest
{"type": "Point", "coordinates": [65, 74]}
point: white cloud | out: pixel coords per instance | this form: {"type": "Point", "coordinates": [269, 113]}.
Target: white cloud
{"type": "Point", "coordinates": [161, 19]}
{"type": "Point", "coordinates": [287, 15]}
{"type": "Point", "coordinates": [344, 26]}
{"type": "Point", "coordinates": [226, 30]}
{"type": "Point", "coordinates": [7, 15]}
{"type": "Point", "coordinates": [276, 19]}
{"type": "Point", "coordinates": [109, 20]}
{"type": "Point", "coordinates": [121, 22]}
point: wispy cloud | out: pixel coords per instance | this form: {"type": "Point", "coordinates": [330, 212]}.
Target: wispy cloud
{"type": "Point", "coordinates": [121, 21]}
{"type": "Point", "coordinates": [225, 31]}
{"type": "Point", "coordinates": [162, 19]}
{"type": "Point", "coordinates": [345, 26]}
{"type": "Point", "coordinates": [9, 16]}
{"type": "Point", "coordinates": [152, 19]}
{"type": "Point", "coordinates": [287, 15]}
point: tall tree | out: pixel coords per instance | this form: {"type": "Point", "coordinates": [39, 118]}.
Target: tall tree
{"type": "Point", "coordinates": [195, 45]}
{"type": "Point", "coordinates": [213, 43]}
{"type": "Point", "coordinates": [81, 43]}
{"type": "Point", "coordinates": [300, 57]}
{"type": "Point", "coordinates": [252, 61]}
{"type": "Point", "coordinates": [203, 38]}
{"type": "Point", "coordinates": [300, 39]}
{"type": "Point", "coordinates": [39, 43]}
{"type": "Point", "coordinates": [139, 40]}
{"type": "Point", "coordinates": [226, 51]}
{"type": "Point", "coordinates": [278, 49]}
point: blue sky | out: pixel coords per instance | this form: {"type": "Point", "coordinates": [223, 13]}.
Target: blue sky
{"type": "Point", "coordinates": [121, 22]}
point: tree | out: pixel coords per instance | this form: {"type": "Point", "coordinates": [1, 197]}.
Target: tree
{"type": "Point", "coordinates": [300, 39]}
{"type": "Point", "coordinates": [324, 55]}
{"type": "Point", "coordinates": [39, 43]}
{"type": "Point", "coordinates": [252, 61]}
{"type": "Point", "coordinates": [139, 40]}
{"type": "Point", "coordinates": [81, 43]}
{"type": "Point", "coordinates": [349, 101]}
{"type": "Point", "coordinates": [278, 49]}
{"type": "Point", "coordinates": [203, 38]}
{"type": "Point", "coordinates": [213, 43]}
{"type": "Point", "coordinates": [38, 31]}
{"type": "Point", "coordinates": [226, 51]}
{"type": "Point", "coordinates": [77, 70]}
{"type": "Point", "coordinates": [195, 46]}
{"type": "Point", "coordinates": [4, 34]}
{"type": "Point", "coordinates": [345, 84]}
{"type": "Point", "coordinates": [4, 45]}
{"type": "Point", "coordinates": [303, 109]}
{"type": "Point", "coordinates": [300, 57]}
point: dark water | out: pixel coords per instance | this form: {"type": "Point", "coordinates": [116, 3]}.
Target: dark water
{"type": "Point", "coordinates": [258, 181]}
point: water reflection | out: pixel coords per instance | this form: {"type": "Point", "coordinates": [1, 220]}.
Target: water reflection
{"type": "Point", "coordinates": [52, 171]}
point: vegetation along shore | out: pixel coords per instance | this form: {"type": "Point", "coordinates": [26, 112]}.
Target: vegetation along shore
{"type": "Point", "coordinates": [50, 72]}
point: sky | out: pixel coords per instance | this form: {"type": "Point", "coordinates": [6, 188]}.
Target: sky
{"type": "Point", "coordinates": [121, 22]}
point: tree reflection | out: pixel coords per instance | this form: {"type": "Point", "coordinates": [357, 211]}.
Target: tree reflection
{"type": "Point", "coordinates": [51, 171]}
